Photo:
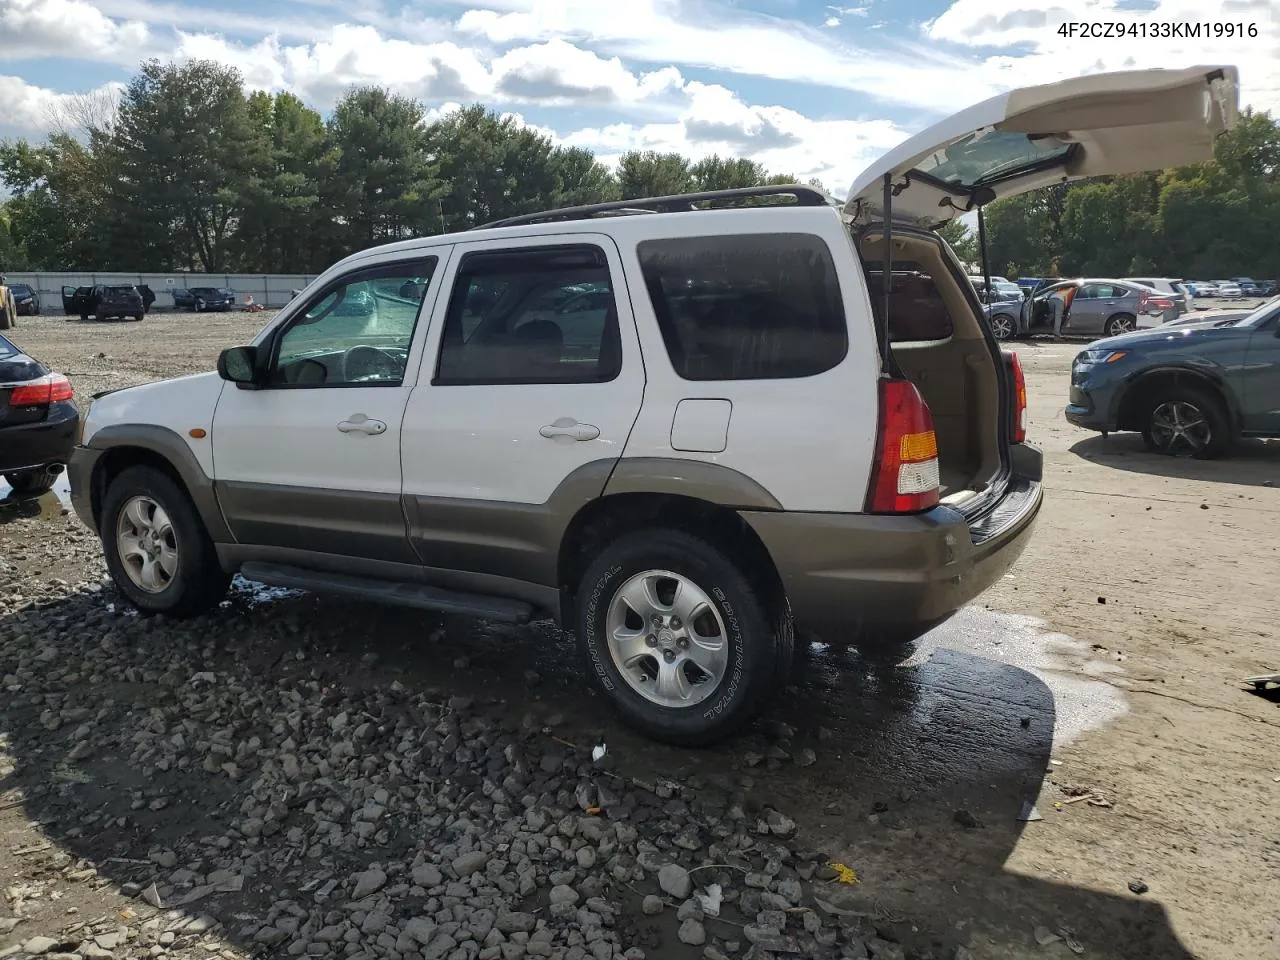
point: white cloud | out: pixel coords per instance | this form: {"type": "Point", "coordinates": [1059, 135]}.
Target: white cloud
{"type": "Point", "coordinates": [673, 32]}
{"type": "Point", "coordinates": [29, 109]}
{"type": "Point", "coordinates": [67, 28]}
{"type": "Point", "coordinates": [1045, 55]}
{"type": "Point", "coordinates": [717, 121]}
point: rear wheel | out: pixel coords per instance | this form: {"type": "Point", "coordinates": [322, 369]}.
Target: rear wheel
{"type": "Point", "coordinates": [157, 549]}
{"type": "Point", "coordinates": [1186, 422]}
{"type": "Point", "coordinates": [29, 483]}
{"type": "Point", "coordinates": [678, 638]}
{"type": "Point", "coordinates": [1121, 323]}
{"type": "Point", "coordinates": [137, 317]}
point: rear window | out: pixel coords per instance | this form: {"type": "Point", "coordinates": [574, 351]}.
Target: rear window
{"type": "Point", "coordinates": [19, 288]}
{"type": "Point", "coordinates": [747, 306]}
{"type": "Point", "coordinates": [7, 349]}
{"type": "Point", "coordinates": [122, 290]}
{"type": "Point", "coordinates": [916, 308]}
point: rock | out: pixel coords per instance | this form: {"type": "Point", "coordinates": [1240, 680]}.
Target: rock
{"type": "Point", "coordinates": [586, 857]}
{"type": "Point", "coordinates": [1138, 886]}
{"type": "Point", "coordinates": [39, 946]}
{"type": "Point", "coordinates": [369, 882]}
{"type": "Point", "coordinates": [420, 929]}
{"type": "Point", "coordinates": [470, 863]}
{"type": "Point", "coordinates": [779, 824]}
{"type": "Point", "coordinates": [692, 932]}
{"type": "Point", "coordinates": [652, 906]}
{"type": "Point", "coordinates": [7, 924]}
{"type": "Point", "coordinates": [563, 894]}
{"type": "Point", "coordinates": [438, 947]}
{"type": "Point", "coordinates": [806, 758]}
{"type": "Point", "coordinates": [427, 875]}
{"type": "Point", "coordinates": [790, 890]}
{"type": "Point", "coordinates": [711, 953]}
{"type": "Point", "coordinates": [691, 909]}
{"type": "Point", "coordinates": [966, 819]}
{"type": "Point", "coordinates": [510, 923]}
{"type": "Point", "coordinates": [674, 881]}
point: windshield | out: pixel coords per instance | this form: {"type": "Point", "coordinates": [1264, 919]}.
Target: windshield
{"type": "Point", "coordinates": [121, 290]}
{"type": "Point", "coordinates": [19, 288]}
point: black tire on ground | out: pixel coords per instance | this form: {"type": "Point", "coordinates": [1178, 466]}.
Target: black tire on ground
{"type": "Point", "coordinates": [84, 317]}
{"type": "Point", "coordinates": [1182, 421]}
{"type": "Point", "coordinates": [759, 650]}
{"type": "Point", "coordinates": [199, 583]}
{"type": "Point", "coordinates": [137, 318]}
{"type": "Point", "coordinates": [1120, 323]}
{"type": "Point", "coordinates": [198, 305]}
{"type": "Point", "coordinates": [5, 322]}
{"type": "Point", "coordinates": [29, 483]}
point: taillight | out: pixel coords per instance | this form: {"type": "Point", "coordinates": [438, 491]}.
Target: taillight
{"type": "Point", "coordinates": [905, 474]}
{"type": "Point", "coordinates": [40, 393]}
{"type": "Point", "coordinates": [1020, 410]}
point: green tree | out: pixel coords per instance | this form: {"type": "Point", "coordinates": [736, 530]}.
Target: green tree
{"type": "Point", "coordinates": [727, 173]}
{"type": "Point", "coordinates": [384, 184]}
{"type": "Point", "coordinates": [283, 226]}
{"type": "Point", "coordinates": [185, 151]}
{"type": "Point", "coordinates": [963, 242]}
{"type": "Point", "coordinates": [653, 174]}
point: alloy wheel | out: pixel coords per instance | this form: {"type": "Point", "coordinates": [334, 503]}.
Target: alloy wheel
{"type": "Point", "coordinates": [1002, 326]}
{"type": "Point", "coordinates": [667, 638]}
{"type": "Point", "coordinates": [147, 544]}
{"type": "Point", "coordinates": [1180, 428]}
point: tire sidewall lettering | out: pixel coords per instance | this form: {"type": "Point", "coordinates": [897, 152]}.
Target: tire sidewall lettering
{"type": "Point", "coordinates": [600, 591]}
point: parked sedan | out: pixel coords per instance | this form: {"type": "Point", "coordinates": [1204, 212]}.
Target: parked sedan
{"type": "Point", "coordinates": [1189, 388]}
{"type": "Point", "coordinates": [38, 421]}
{"type": "Point", "coordinates": [26, 299]}
{"type": "Point", "coordinates": [1229, 289]}
{"type": "Point", "coordinates": [1100, 306]}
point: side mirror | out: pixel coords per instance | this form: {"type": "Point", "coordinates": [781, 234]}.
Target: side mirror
{"type": "Point", "coordinates": [239, 365]}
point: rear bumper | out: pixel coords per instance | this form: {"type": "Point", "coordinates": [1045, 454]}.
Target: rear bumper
{"type": "Point", "coordinates": [847, 573]}
{"type": "Point", "coordinates": [40, 444]}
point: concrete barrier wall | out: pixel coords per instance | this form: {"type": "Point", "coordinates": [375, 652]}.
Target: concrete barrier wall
{"type": "Point", "coordinates": [268, 289]}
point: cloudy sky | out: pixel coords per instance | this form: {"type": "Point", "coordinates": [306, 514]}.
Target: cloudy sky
{"type": "Point", "coordinates": [803, 86]}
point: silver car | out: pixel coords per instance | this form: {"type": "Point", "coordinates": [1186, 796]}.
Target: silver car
{"type": "Point", "coordinates": [1100, 306]}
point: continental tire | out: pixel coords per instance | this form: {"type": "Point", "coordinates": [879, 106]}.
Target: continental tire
{"type": "Point", "coordinates": [157, 549]}
{"type": "Point", "coordinates": [678, 638]}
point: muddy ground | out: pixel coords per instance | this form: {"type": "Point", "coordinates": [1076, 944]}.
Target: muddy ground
{"type": "Point", "coordinates": [1099, 681]}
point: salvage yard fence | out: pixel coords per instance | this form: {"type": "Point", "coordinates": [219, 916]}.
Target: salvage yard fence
{"type": "Point", "coordinates": [268, 289]}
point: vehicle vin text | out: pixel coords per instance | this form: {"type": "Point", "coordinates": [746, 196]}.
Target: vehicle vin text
{"type": "Point", "coordinates": [1161, 29]}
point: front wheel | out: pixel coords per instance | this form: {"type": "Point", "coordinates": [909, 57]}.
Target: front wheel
{"type": "Point", "coordinates": [1187, 422]}
{"type": "Point", "coordinates": [157, 549]}
{"type": "Point", "coordinates": [198, 306]}
{"type": "Point", "coordinates": [678, 638]}
{"type": "Point", "coordinates": [1121, 323]}
{"type": "Point", "coordinates": [137, 318]}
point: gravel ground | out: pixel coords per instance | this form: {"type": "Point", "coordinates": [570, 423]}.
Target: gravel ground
{"type": "Point", "coordinates": [298, 776]}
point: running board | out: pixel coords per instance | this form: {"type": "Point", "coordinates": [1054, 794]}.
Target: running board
{"type": "Point", "coordinates": [389, 591]}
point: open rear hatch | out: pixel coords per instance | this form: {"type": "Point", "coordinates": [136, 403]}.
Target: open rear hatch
{"type": "Point", "coordinates": [930, 323]}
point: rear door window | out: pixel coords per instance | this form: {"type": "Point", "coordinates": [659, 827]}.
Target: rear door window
{"type": "Point", "coordinates": [746, 307]}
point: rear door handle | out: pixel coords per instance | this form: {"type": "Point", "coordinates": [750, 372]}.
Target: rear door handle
{"type": "Point", "coordinates": [571, 428]}
{"type": "Point", "coordinates": [359, 423]}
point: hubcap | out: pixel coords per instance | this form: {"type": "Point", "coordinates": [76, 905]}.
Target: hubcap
{"type": "Point", "coordinates": [147, 544]}
{"type": "Point", "coordinates": [1001, 327]}
{"type": "Point", "coordinates": [1179, 427]}
{"type": "Point", "coordinates": [1122, 325]}
{"type": "Point", "coordinates": [667, 638]}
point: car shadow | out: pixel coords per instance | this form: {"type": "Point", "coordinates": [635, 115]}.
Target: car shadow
{"type": "Point", "coordinates": [1253, 463]}
{"type": "Point", "coordinates": [14, 507]}
{"type": "Point", "coordinates": [919, 772]}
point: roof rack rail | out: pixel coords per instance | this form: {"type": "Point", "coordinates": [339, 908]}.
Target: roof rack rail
{"type": "Point", "coordinates": [805, 196]}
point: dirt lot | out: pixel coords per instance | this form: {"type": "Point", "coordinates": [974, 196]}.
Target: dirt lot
{"type": "Point", "coordinates": [1105, 666]}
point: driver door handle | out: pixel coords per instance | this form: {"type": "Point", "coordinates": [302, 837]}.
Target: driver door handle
{"type": "Point", "coordinates": [568, 427]}
{"type": "Point", "coordinates": [359, 423]}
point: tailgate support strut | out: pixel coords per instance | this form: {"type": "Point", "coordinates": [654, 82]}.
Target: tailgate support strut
{"type": "Point", "coordinates": [887, 277]}
{"type": "Point", "coordinates": [982, 248]}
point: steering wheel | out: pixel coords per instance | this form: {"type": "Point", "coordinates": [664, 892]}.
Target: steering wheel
{"type": "Point", "coordinates": [370, 363]}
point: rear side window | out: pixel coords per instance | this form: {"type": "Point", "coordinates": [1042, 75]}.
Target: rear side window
{"type": "Point", "coordinates": [916, 309]}
{"type": "Point", "coordinates": [746, 306]}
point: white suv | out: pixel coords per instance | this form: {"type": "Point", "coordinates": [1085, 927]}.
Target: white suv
{"type": "Point", "coordinates": [680, 431]}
